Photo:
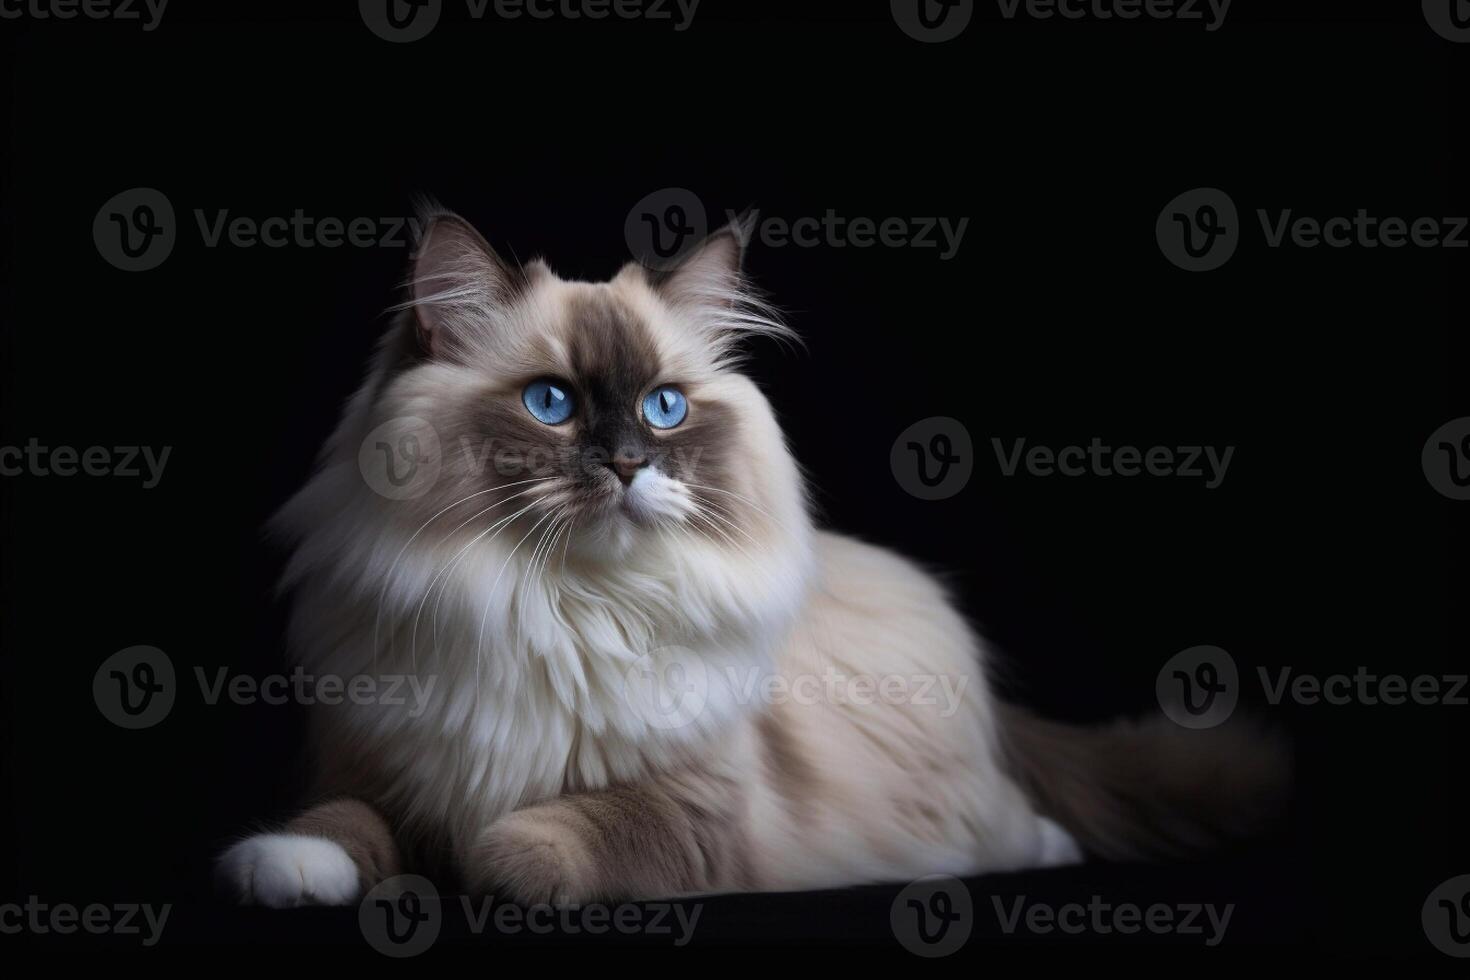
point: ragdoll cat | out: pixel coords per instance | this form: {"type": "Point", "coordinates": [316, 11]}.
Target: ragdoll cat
{"type": "Point", "coordinates": [602, 558]}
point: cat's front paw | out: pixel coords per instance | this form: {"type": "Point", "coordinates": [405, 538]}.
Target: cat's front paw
{"type": "Point", "coordinates": [532, 861]}
{"type": "Point", "coordinates": [1058, 847]}
{"type": "Point", "coordinates": [283, 871]}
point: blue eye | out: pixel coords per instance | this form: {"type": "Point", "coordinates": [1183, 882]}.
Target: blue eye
{"type": "Point", "coordinates": [665, 407]}
{"type": "Point", "coordinates": [549, 402]}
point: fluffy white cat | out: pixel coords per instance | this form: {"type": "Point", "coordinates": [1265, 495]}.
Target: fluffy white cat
{"type": "Point", "coordinates": [564, 504]}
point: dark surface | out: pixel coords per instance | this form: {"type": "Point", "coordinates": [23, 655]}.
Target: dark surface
{"type": "Point", "coordinates": [1059, 320]}
{"type": "Point", "coordinates": [858, 916]}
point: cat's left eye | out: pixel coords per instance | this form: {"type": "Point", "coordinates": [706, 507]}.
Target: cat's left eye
{"type": "Point", "coordinates": [665, 407]}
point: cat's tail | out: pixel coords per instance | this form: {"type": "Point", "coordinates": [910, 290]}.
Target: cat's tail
{"type": "Point", "coordinates": [1148, 789]}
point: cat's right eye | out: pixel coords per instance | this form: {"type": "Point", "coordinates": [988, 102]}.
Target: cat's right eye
{"type": "Point", "coordinates": [549, 401]}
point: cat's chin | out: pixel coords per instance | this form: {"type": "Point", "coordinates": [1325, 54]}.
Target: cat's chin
{"type": "Point", "coordinates": [607, 534]}
{"type": "Point", "coordinates": [633, 510]}
{"type": "Point", "coordinates": [654, 500]}
{"type": "Point", "coordinates": [616, 525]}
{"type": "Point", "coordinates": [627, 512]}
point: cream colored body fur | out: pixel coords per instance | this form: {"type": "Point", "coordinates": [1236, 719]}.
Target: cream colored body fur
{"type": "Point", "coordinates": [542, 648]}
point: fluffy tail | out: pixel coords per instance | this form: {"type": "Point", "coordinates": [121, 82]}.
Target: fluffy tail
{"type": "Point", "coordinates": [1148, 789]}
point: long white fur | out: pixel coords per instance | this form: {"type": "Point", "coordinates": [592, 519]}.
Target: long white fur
{"type": "Point", "coordinates": [532, 650]}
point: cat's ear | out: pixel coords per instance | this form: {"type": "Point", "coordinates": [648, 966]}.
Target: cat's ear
{"type": "Point", "coordinates": [709, 273]}
{"type": "Point", "coordinates": [710, 288]}
{"type": "Point", "coordinates": [457, 284]}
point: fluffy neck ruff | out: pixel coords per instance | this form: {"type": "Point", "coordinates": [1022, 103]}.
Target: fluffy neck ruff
{"type": "Point", "coordinates": [552, 668]}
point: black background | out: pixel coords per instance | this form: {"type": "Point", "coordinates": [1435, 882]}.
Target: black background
{"type": "Point", "coordinates": [1325, 549]}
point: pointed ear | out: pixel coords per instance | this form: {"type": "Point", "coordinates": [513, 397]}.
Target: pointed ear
{"type": "Point", "coordinates": [708, 284]}
{"type": "Point", "coordinates": [457, 282]}
{"type": "Point", "coordinates": [709, 275]}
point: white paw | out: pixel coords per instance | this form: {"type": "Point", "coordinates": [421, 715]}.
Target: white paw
{"type": "Point", "coordinates": [281, 871]}
{"type": "Point", "coordinates": [1057, 846]}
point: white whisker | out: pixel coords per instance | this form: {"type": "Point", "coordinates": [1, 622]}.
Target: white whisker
{"type": "Point", "coordinates": [500, 525]}
{"type": "Point", "coordinates": [388, 577]}
{"type": "Point", "coordinates": [743, 499]}
{"type": "Point", "coordinates": [713, 510]}
{"type": "Point", "coordinates": [444, 575]}
{"type": "Point", "coordinates": [485, 614]}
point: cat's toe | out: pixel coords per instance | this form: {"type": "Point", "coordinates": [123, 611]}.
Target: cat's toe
{"type": "Point", "coordinates": [533, 862]}
{"type": "Point", "coordinates": [1057, 846]}
{"type": "Point", "coordinates": [286, 870]}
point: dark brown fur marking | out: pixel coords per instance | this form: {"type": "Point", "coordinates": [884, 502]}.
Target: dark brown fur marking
{"type": "Point", "coordinates": [1149, 789]}
{"type": "Point", "coordinates": [677, 834]}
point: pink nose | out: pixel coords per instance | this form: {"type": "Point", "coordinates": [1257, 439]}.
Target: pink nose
{"type": "Point", "coordinates": [627, 465]}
